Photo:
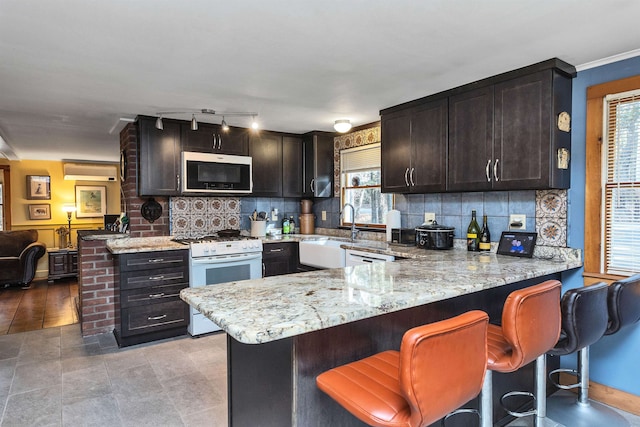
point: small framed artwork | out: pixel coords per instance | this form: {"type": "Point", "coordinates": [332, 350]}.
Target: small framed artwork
{"type": "Point", "coordinates": [38, 187]}
{"type": "Point", "coordinates": [40, 211]}
{"type": "Point", "coordinates": [516, 243]}
{"type": "Point", "coordinates": [91, 201]}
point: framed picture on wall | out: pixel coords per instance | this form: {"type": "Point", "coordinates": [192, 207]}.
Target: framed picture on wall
{"type": "Point", "coordinates": [38, 187]}
{"type": "Point", "coordinates": [40, 211]}
{"type": "Point", "coordinates": [91, 201]}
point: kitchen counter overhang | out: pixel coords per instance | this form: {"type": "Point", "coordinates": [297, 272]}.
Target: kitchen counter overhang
{"type": "Point", "coordinates": [264, 310]}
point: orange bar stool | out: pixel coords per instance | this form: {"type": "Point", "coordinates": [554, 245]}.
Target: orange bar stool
{"type": "Point", "coordinates": [530, 327]}
{"type": "Point", "coordinates": [584, 321]}
{"type": "Point", "coordinates": [440, 366]}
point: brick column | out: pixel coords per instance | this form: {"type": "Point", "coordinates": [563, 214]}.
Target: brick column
{"type": "Point", "coordinates": [98, 299]}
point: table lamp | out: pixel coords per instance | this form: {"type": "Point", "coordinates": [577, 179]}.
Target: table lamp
{"type": "Point", "coordinates": [69, 209]}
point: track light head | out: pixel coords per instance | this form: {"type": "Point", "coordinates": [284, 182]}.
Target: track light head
{"type": "Point", "coordinates": [225, 126]}
{"type": "Point", "coordinates": [254, 124]}
{"type": "Point", "coordinates": [194, 122]}
{"type": "Point", "coordinates": [159, 124]}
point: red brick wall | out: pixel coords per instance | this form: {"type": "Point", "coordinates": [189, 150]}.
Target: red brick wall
{"type": "Point", "coordinates": [138, 226]}
{"type": "Point", "coordinates": [98, 300]}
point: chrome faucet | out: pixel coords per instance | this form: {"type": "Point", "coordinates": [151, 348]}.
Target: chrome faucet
{"type": "Point", "coordinates": [354, 230]}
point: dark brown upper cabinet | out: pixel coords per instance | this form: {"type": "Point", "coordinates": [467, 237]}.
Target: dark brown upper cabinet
{"type": "Point", "coordinates": [211, 138]}
{"type": "Point", "coordinates": [158, 157]}
{"type": "Point", "coordinates": [502, 134]}
{"type": "Point", "coordinates": [265, 148]}
{"type": "Point", "coordinates": [414, 149]}
{"type": "Point", "coordinates": [317, 161]}
{"type": "Point", "coordinates": [292, 166]}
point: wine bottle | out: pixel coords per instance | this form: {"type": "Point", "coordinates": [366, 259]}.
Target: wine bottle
{"type": "Point", "coordinates": [485, 236]}
{"type": "Point", "coordinates": [292, 225]}
{"type": "Point", "coordinates": [473, 233]}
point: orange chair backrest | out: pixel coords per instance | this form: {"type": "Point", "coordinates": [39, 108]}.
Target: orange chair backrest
{"type": "Point", "coordinates": [442, 365]}
{"type": "Point", "coordinates": [531, 321]}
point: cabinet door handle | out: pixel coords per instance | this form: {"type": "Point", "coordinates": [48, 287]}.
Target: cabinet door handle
{"type": "Point", "coordinates": [213, 141]}
{"type": "Point", "coordinates": [161, 277]}
{"type": "Point", "coordinates": [406, 177]}
{"type": "Point", "coordinates": [495, 170]}
{"type": "Point", "coordinates": [153, 260]}
{"type": "Point", "coordinates": [413, 184]}
{"type": "Point", "coordinates": [178, 182]}
{"type": "Point", "coordinates": [486, 170]}
{"type": "Point", "coordinates": [312, 185]}
{"type": "Point", "coordinates": [160, 295]}
{"type": "Point", "coordinates": [219, 142]}
{"type": "Point", "coordinates": [156, 317]}
{"type": "Point", "coordinates": [263, 269]}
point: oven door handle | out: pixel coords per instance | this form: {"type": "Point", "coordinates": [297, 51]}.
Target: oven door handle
{"type": "Point", "coordinates": [222, 259]}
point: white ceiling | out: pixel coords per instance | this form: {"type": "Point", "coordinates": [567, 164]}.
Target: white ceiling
{"type": "Point", "coordinates": [69, 69]}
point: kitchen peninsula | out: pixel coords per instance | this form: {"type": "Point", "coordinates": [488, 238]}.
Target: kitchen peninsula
{"type": "Point", "coordinates": [283, 331]}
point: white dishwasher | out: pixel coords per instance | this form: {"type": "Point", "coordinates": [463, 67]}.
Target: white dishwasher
{"type": "Point", "coordinates": [355, 257]}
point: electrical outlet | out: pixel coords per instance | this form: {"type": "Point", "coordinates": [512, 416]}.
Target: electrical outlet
{"type": "Point", "coordinates": [517, 222]}
{"type": "Point", "coordinates": [324, 215]}
{"type": "Point", "coordinates": [429, 217]}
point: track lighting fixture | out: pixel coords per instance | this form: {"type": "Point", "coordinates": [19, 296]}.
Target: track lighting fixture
{"type": "Point", "coordinates": [206, 112]}
{"type": "Point", "coordinates": [342, 126]}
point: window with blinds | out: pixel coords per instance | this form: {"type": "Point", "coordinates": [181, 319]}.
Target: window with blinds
{"type": "Point", "coordinates": [360, 180]}
{"type": "Point", "coordinates": [621, 184]}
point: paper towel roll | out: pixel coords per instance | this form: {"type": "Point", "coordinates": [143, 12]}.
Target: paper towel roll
{"type": "Point", "coordinates": [393, 221]}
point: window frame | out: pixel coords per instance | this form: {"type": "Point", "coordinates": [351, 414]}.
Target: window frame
{"type": "Point", "coordinates": [595, 138]}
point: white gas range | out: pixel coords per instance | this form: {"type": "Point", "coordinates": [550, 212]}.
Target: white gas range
{"type": "Point", "coordinates": [215, 260]}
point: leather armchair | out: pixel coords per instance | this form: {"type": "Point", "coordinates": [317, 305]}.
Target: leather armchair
{"type": "Point", "coordinates": [19, 255]}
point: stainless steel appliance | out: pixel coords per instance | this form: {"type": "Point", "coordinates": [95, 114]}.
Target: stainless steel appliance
{"type": "Point", "coordinates": [216, 173]}
{"type": "Point", "coordinates": [215, 260]}
{"type": "Point", "coordinates": [434, 236]}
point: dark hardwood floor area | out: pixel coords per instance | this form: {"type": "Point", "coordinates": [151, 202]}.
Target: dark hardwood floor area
{"type": "Point", "coordinates": [42, 305]}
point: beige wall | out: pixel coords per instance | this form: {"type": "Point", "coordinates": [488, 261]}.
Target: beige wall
{"type": "Point", "coordinates": [62, 192]}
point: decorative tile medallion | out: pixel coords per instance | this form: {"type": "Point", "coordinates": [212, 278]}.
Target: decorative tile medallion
{"type": "Point", "coordinates": [200, 216]}
{"type": "Point", "coordinates": [551, 217]}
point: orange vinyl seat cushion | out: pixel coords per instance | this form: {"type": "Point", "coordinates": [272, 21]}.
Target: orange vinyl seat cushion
{"type": "Point", "coordinates": [440, 366]}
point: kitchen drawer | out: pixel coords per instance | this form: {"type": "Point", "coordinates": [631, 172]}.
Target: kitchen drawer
{"type": "Point", "coordinates": [159, 259]}
{"type": "Point", "coordinates": [278, 249]}
{"type": "Point", "coordinates": [154, 277]}
{"type": "Point", "coordinates": [151, 295]}
{"type": "Point", "coordinates": [154, 317]}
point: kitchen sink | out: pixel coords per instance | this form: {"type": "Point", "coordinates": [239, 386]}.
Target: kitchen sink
{"type": "Point", "coordinates": [322, 253]}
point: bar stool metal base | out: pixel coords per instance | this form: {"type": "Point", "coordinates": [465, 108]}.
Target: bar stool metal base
{"type": "Point", "coordinates": [564, 408]}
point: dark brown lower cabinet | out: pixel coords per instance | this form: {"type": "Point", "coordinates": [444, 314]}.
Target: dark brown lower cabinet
{"type": "Point", "coordinates": [279, 258]}
{"type": "Point", "coordinates": [148, 288]}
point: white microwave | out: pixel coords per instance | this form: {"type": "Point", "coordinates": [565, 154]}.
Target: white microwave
{"type": "Point", "coordinates": [216, 173]}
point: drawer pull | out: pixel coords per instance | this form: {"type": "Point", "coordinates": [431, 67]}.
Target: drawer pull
{"type": "Point", "coordinates": [161, 277]}
{"type": "Point", "coordinates": [160, 295]}
{"type": "Point", "coordinates": [276, 250]}
{"type": "Point", "coordinates": [156, 317]}
{"type": "Point", "coordinates": [156, 260]}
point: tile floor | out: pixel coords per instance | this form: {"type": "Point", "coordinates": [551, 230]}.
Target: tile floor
{"type": "Point", "coordinates": [54, 377]}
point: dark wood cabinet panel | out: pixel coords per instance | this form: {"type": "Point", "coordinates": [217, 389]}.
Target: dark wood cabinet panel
{"type": "Point", "coordinates": [279, 258]}
{"type": "Point", "coordinates": [158, 158]}
{"type": "Point", "coordinates": [266, 150]}
{"type": "Point", "coordinates": [471, 140]}
{"type": "Point", "coordinates": [414, 149]}
{"type": "Point", "coordinates": [292, 166]}
{"type": "Point", "coordinates": [210, 138]}
{"type": "Point", "coordinates": [317, 160]}
{"type": "Point", "coordinates": [62, 263]}
{"type": "Point", "coordinates": [148, 288]}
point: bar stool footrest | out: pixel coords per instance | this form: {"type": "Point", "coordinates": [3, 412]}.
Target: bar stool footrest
{"type": "Point", "coordinates": [566, 371]}
{"type": "Point", "coordinates": [459, 411]}
{"type": "Point", "coordinates": [513, 394]}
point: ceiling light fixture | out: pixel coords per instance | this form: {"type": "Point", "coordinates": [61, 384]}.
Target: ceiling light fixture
{"type": "Point", "coordinates": [342, 126]}
{"type": "Point", "coordinates": [206, 112]}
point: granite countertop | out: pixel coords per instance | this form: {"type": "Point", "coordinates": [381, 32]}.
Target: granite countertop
{"type": "Point", "coordinates": [263, 310]}
{"type": "Point", "coordinates": [143, 244]}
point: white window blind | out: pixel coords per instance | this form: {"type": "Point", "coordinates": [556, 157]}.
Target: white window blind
{"type": "Point", "coordinates": [360, 158]}
{"type": "Point", "coordinates": [621, 186]}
